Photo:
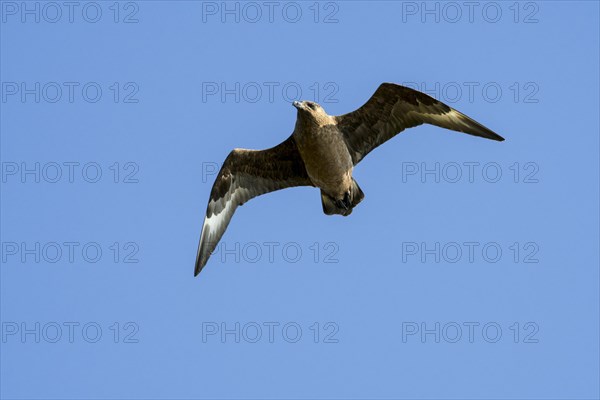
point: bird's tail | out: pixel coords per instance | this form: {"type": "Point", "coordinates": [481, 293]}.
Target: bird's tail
{"type": "Point", "coordinates": [343, 206]}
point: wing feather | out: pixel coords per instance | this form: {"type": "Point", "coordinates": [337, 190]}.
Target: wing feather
{"type": "Point", "coordinates": [244, 175]}
{"type": "Point", "coordinates": [394, 108]}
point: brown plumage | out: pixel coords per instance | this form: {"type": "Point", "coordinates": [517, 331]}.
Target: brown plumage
{"type": "Point", "coordinates": [322, 152]}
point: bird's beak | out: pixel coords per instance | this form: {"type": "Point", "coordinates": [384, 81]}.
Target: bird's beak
{"type": "Point", "coordinates": [297, 104]}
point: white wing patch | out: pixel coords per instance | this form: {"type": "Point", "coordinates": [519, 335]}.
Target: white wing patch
{"type": "Point", "coordinates": [215, 225]}
{"type": "Point", "coordinates": [452, 117]}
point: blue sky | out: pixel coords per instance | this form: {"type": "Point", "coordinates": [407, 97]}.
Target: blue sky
{"type": "Point", "coordinates": [470, 270]}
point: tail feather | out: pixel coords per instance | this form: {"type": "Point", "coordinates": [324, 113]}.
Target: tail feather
{"type": "Point", "coordinates": [332, 206]}
{"type": "Point", "coordinates": [356, 194]}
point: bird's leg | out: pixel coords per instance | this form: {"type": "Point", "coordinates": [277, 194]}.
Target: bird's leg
{"type": "Point", "coordinates": [340, 204]}
{"type": "Point", "coordinates": [345, 203]}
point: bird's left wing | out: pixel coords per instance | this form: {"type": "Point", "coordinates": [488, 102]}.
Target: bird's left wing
{"type": "Point", "coordinates": [246, 174]}
{"type": "Point", "coordinates": [394, 108]}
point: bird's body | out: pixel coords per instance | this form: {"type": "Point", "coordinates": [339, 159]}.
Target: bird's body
{"type": "Point", "coordinates": [326, 158]}
{"type": "Point", "coordinates": [322, 152]}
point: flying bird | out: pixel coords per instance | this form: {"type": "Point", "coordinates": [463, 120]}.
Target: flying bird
{"type": "Point", "coordinates": [321, 152]}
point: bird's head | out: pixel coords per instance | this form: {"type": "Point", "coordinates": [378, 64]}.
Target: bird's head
{"type": "Point", "coordinates": [311, 111]}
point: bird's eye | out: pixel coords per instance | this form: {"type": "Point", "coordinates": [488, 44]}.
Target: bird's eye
{"type": "Point", "coordinates": [311, 106]}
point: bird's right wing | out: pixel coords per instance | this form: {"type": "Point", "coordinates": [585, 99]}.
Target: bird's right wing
{"type": "Point", "coordinates": [394, 108]}
{"type": "Point", "coordinates": [246, 174]}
